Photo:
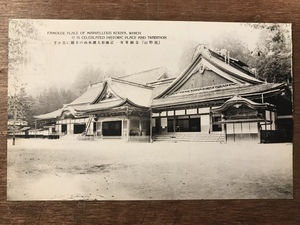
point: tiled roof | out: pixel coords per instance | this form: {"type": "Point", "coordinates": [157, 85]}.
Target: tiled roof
{"type": "Point", "coordinates": [90, 95]}
{"type": "Point", "coordinates": [103, 105]}
{"type": "Point", "coordinates": [223, 93]}
{"type": "Point", "coordinates": [50, 115]}
{"type": "Point", "coordinates": [140, 78]}
{"type": "Point", "coordinates": [234, 73]}
{"type": "Point", "coordinates": [159, 89]}
{"type": "Point", "coordinates": [25, 128]}
{"type": "Point", "coordinates": [234, 62]}
{"type": "Point", "coordinates": [138, 94]}
{"type": "Point", "coordinates": [147, 76]}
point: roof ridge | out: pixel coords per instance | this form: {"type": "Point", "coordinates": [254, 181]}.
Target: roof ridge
{"type": "Point", "coordinates": [130, 82]}
{"type": "Point", "coordinates": [97, 82]}
{"type": "Point", "coordinates": [157, 68]}
{"type": "Point", "coordinates": [234, 63]}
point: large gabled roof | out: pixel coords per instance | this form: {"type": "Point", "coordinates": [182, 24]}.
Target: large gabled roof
{"type": "Point", "coordinates": [128, 92]}
{"type": "Point", "coordinates": [231, 70]}
{"type": "Point", "coordinates": [144, 78]}
{"type": "Point", "coordinates": [90, 95]}
{"type": "Point", "coordinates": [137, 93]}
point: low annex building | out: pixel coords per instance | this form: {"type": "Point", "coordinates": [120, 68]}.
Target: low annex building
{"type": "Point", "coordinates": [215, 99]}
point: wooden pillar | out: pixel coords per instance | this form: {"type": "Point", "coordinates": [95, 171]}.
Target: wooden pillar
{"type": "Point", "coordinates": [59, 128]}
{"type": "Point", "coordinates": [96, 128]}
{"type": "Point", "coordinates": [225, 132]}
{"type": "Point", "coordinates": [233, 131]}
{"type": "Point", "coordinates": [70, 127]}
{"type": "Point", "coordinates": [174, 123]}
{"type": "Point", "coordinates": [140, 126]}
{"type": "Point", "coordinates": [241, 131]}
{"type": "Point", "coordinates": [259, 132]}
{"type": "Point", "coordinates": [265, 119]}
{"type": "Point", "coordinates": [159, 123]}
{"type": "Point", "coordinates": [271, 121]}
{"type": "Point", "coordinates": [210, 121]}
{"type": "Point", "coordinates": [101, 129]}
{"type": "Point", "coordinates": [151, 138]}
{"type": "Point", "coordinates": [128, 129]}
{"type": "Point", "coordinates": [35, 128]}
{"type": "Point", "coordinates": [249, 131]}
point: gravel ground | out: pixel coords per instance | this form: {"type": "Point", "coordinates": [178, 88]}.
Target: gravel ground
{"type": "Point", "coordinates": [114, 170]}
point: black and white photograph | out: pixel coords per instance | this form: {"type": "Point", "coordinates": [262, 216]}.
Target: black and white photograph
{"type": "Point", "coordinates": [149, 110]}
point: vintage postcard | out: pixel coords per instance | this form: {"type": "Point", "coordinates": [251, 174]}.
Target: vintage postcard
{"type": "Point", "coordinates": [149, 110]}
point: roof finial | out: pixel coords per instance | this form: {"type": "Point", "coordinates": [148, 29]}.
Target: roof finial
{"type": "Point", "coordinates": [201, 48]}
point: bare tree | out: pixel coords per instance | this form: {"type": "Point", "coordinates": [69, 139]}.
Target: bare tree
{"type": "Point", "coordinates": [19, 105]}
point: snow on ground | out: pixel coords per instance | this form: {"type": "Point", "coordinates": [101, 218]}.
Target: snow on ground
{"type": "Point", "coordinates": [115, 170]}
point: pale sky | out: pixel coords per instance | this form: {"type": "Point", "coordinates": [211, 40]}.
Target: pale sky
{"type": "Point", "coordinates": [51, 64]}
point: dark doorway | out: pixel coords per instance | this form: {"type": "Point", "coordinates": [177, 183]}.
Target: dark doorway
{"type": "Point", "coordinates": [112, 128]}
{"type": "Point", "coordinates": [184, 125]}
{"type": "Point", "coordinates": [64, 128]}
{"type": "Point", "coordinates": [95, 127]}
{"type": "Point", "coordinates": [195, 125]}
{"type": "Point", "coordinates": [216, 126]}
{"type": "Point", "coordinates": [79, 128]}
{"type": "Point", "coordinates": [157, 126]}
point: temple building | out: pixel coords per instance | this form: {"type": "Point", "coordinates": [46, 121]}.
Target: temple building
{"type": "Point", "coordinates": [215, 99]}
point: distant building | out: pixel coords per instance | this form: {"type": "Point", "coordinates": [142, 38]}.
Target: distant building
{"type": "Point", "coordinates": [11, 122]}
{"type": "Point", "coordinates": [215, 99]}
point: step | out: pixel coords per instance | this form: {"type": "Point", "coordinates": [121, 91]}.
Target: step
{"type": "Point", "coordinates": [196, 137]}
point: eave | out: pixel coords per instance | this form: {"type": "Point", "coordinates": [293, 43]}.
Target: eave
{"type": "Point", "coordinates": [209, 100]}
{"type": "Point", "coordinates": [98, 107]}
{"type": "Point", "coordinates": [236, 100]}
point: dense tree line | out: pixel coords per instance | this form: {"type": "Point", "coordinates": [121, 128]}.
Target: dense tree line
{"type": "Point", "coordinates": [52, 99]}
{"type": "Point", "coordinates": [20, 105]}
{"type": "Point", "coordinates": [84, 78]}
{"type": "Point", "coordinates": [236, 47]}
{"type": "Point", "coordinates": [23, 107]}
{"type": "Point", "coordinates": [272, 57]}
